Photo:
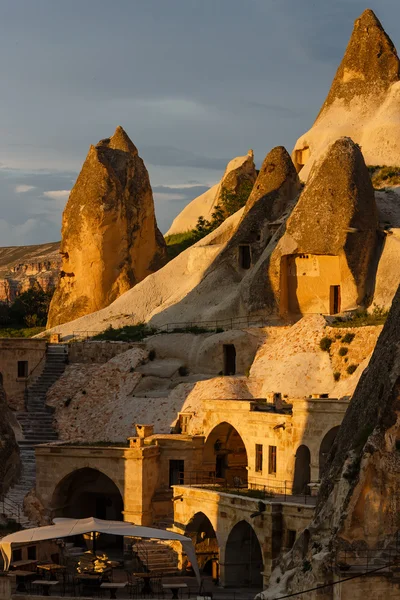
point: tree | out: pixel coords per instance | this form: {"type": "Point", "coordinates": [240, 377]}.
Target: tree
{"type": "Point", "coordinates": [31, 307]}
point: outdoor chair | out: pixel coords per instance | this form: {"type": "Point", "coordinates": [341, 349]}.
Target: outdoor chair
{"type": "Point", "coordinates": [134, 586]}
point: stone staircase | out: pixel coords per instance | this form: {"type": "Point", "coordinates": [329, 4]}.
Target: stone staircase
{"type": "Point", "coordinates": [157, 556]}
{"type": "Point", "coordinates": [37, 428]}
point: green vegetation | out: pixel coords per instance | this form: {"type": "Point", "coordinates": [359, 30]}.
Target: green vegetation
{"type": "Point", "coordinates": [23, 332]}
{"type": "Point", "coordinates": [178, 242]}
{"type": "Point", "coordinates": [129, 333]}
{"type": "Point", "coordinates": [194, 329]}
{"type": "Point", "coordinates": [362, 318]}
{"type": "Point", "coordinates": [29, 310]}
{"type": "Point", "coordinates": [384, 176]}
{"type": "Point", "coordinates": [351, 368]}
{"type": "Point", "coordinates": [343, 351]}
{"type": "Point", "coordinates": [325, 344]}
{"type": "Point", "coordinates": [348, 338]}
{"type": "Point", "coordinates": [230, 202]}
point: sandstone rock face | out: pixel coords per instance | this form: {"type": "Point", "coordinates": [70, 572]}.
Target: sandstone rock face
{"type": "Point", "coordinates": [363, 102]}
{"type": "Point", "coordinates": [22, 267]}
{"type": "Point", "coordinates": [9, 453]}
{"type": "Point", "coordinates": [213, 279]}
{"type": "Point", "coordinates": [330, 237]}
{"type": "Point", "coordinates": [358, 503]}
{"type": "Point", "coordinates": [238, 170]}
{"type": "Point", "coordinates": [110, 239]}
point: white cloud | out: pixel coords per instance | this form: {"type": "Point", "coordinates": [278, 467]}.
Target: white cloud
{"type": "Point", "coordinates": [57, 194]}
{"type": "Point", "coordinates": [21, 189]}
{"type": "Point", "coordinates": [167, 196]}
{"type": "Point", "coordinates": [12, 235]}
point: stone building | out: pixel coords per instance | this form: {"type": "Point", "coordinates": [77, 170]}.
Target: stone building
{"type": "Point", "coordinates": [207, 478]}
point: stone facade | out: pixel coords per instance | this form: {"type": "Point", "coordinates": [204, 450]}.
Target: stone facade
{"type": "Point", "coordinates": [21, 360]}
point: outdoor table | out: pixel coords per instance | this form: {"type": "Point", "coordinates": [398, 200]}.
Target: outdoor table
{"type": "Point", "coordinates": [21, 577]}
{"type": "Point", "coordinates": [113, 587]}
{"type": "Point", "coordinates": [46, 585]}
{"type": "Point", "coordinates": [174, 587]}
{"type": "Point", "coordinates": [146, 581]}
{"type": "Point", "coordinates": [50, 568]}
{"type": "Point", "coordinates": [23, 563]}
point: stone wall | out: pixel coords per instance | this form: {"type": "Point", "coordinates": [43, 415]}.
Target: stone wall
{"type": "Point", "coordinates": [97, 352]}
{"type": "Point", "coordinates": [13, 350]}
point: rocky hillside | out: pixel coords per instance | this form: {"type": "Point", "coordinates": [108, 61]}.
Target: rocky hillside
{"type": "Point", "coordinates": [110, 239]}
{"type": "Point", "coordinates": [23, 266]}
{"type": "Point", "coordinates": [363, 102]}
{"type": "Point", "coordinates": [358, 503]}
{"type": "Point", "coordinates": [238, 170]}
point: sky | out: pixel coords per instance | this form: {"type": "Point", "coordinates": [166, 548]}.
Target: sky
{"type": "Point", "coordinates": [193, 82]}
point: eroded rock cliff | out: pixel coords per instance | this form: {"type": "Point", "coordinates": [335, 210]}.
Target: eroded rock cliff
{"type": "Point", "coordinates": [363, 102]}
{"type": "Point", "coordinates": [359, 499]}
{"type": "Point", "coordinates": [238, 171]}
{"type": "Point", "coordinates": [110, 239]}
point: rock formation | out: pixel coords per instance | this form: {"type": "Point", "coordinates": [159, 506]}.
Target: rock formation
{"type": "Point", "coordinates": [358, 503]}
{"type": "Point", "coordinates": [238, 171]}
{"type": "Point", "coordinates": [330, 238]}
{"type": "Point", "coordinates": [363, 102]}
{"type": "Point", "coordinates": [9, 454]}
{"type": "Point", "coordinates": [212, 278]}
{"type": "Point", "coordinates": [23, 267]}
{"type": "Point", "coordinates": [110, 239]}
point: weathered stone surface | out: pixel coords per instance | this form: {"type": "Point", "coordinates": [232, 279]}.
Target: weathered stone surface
{"type": "Point", "coordinates": [110, 239]}
{"type": "Point", "coordinates": [22, 267]}
{"type": "Point", "coordinates": [363, 102]}
{"type": "Point", "coordinates": [238, 170]}
{"type": "Point", "coordinates": [335, 216]}
{"type": "Point", "coordinates": [358, 503]}
{"type": "Point", "coordinates": [9, 454]}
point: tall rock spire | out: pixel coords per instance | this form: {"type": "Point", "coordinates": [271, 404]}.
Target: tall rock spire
{"type": "Point", "coordinates": [110, 240]}
{"type": "Point", "coordinates": [363, 102]}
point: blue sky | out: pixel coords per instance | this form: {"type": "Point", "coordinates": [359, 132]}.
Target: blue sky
{"type": "Point", "coordinates": [193, 82]}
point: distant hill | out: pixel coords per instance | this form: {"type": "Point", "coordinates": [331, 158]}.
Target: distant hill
{"type": "Point", "coordinates": [23, 266]}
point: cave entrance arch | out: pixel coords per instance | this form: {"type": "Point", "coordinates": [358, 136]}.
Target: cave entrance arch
{"type": "Point", "coordinates": [302, 470]}
{"type": "Point", "coordinates": [86, 493]}
{"type": "Point", "coordinates": [204, 539]}
{"type": "Point", "coordinates": [325, 448]}
{"type": "Point", "coordinates": [226, 456]}
{"type": "Point", "coordinates": [243, 557]}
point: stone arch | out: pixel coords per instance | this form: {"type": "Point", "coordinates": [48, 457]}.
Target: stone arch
{"type": "Point", "coordinates": [325, 447]}
{"type": "Point", "coordinates": [302, 470]}
{"type": "Point", "coordinates": [87, 492]}
{"type": "Point", "coordinates": [243, 564]}
{"type": "Point", "coordinates": [225, 454]}
{"type": "Point", "coordinates": [204, 537]}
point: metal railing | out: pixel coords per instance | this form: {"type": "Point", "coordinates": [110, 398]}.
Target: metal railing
{"type": "Point", "coordinates": [365, 560]}
{"type": "Point", "coordinates": [210, 326]}
{"type": "Point", "coordinates": [281, 491]}
{"type": "Point", "coordinates": [10, 509]}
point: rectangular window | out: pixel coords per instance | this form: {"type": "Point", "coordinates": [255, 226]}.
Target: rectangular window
{"type": "Point", "coordinates": [16, 555]}
{"type": "Point", "coordinates": [22, 368]}
{"type": "Point", "coordinates": [259, 458]}
{"type": "Point", "coordinates": [244, 257]}
{"type": "Point", "coordinates": [31, 552]}
{"type": "Point", "coordinates": [176, 472]}
{"type": "Point", "coordinates": [272, 460]}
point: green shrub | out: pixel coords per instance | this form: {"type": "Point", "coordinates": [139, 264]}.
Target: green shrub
{"type": "Point", "coordinates": [351, 369]}
{"type": "Point", "coordinates": [343, 351]}
{"type": "Point", "coordinates": [325, 344]}
{"type": "Point", "coordinates": [336, 376]}
{"type": "Point", "coordinates": [348, 338]}
{"type": "Point", "coordinates": [129, 333]}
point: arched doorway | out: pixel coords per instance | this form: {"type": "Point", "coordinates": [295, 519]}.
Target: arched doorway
{"type": "Point", "coordinates": [204, 539]}
{"type": "Point", "coordinates": [89, 493]}
{"type": "Point", "coordinates": [325, 448]}
{"type": "Point", "coordinates": [302, 470]}
{"type": "Point", "coordinates": [225, 455]}
{"type": "Point", "coordinates": [243, 557]}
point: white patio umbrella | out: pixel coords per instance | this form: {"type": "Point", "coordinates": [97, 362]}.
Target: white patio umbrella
{"type": "Point", "coordinates": [68, 527]}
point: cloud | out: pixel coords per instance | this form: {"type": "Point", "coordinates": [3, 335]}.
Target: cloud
{"type": "Point", "coordinates": [21, 188]}
{"type": "Point", "coordinates": [168, 196]}
{"type": "Point", "coordinates": [57, 194]}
